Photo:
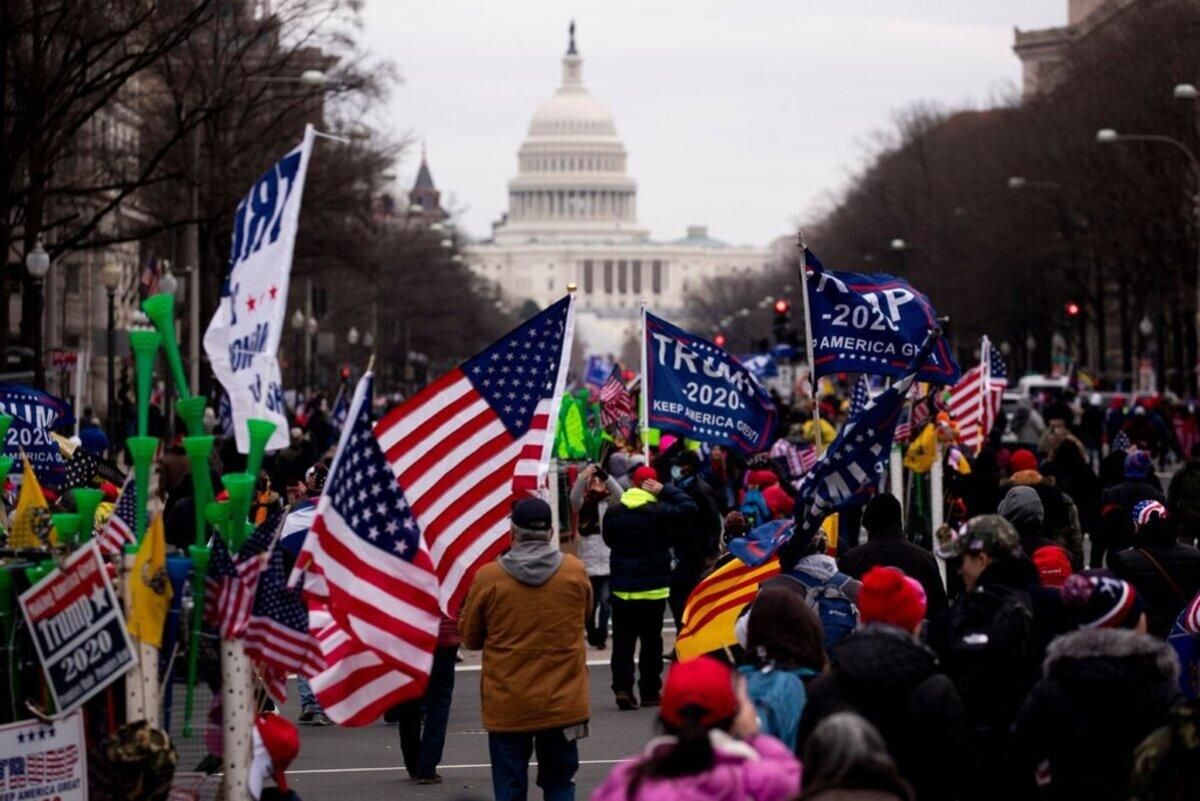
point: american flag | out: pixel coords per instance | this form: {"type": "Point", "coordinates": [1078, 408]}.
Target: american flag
{"type": "Point", "coordinates": [374, 587]}
{"type": "Point", "coordinates": [859, 395]}
{"type": "Point", "coordinates": [616, 404]}
{"type": "Point", "coordinates": [975, 399]}
{"type": "Point", "coordinates": [118, 529]}
{"type": "Point", "coordinates": [53, 765]}
{"type": "Point", "coordinates": [230, 584]}
{"type": "Point", "coordinates": [277, 635]}
{"type": "Point", "coordinates": [84, 467]}
{"type": "Point", "coordinates": [477, 439]}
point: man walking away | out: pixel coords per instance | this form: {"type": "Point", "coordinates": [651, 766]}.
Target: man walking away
{"type": "Point", "coordinates": [423, 721]}
{"type": "Point", "coordinates": [700, 538]}
{"type": "Point", "coordinates": [526, 611]}
{"type": "Point", "coordinates": [641, 530]}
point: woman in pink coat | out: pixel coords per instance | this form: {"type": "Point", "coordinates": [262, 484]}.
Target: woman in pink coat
{"type": "Point", "coordinates": [711, 750]}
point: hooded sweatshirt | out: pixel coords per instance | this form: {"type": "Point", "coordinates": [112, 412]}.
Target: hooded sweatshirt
{"type": "Point", "coordinates": [531, 562]}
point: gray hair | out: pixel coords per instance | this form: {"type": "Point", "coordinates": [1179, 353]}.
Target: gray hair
{"type": "Point", "coordinates": [520, 534]}
{"type": "Point", "coordinates": [846, 751]}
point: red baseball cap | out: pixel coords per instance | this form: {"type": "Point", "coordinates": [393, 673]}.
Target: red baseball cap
{"type": "Point", "coordinates": [1053, 566]}
{"type": "Point", "coordinates": [643, 474]}
{"type": "Point", "coordinates": [888, 595]}
{"type": "Point", "coordinates": [703, 682]}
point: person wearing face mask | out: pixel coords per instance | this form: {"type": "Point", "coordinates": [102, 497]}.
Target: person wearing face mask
{"type": "Point", "coordinates": [699, 535]}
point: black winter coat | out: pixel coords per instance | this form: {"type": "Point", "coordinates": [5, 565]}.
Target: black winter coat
{"type": "Point", "coordinates": [1164, 598]}
{"type": "Point", "coordinates": [891, 549]}
{"type": "Point", "coordinates": [700, 535]}
{"type": "Point", "coordinates": [1104, 690]}
{"type": "Point", "coordinates": [641, 540]}
{"type": "Point", "coordinates": [1116, 525]}
{"type": "Point", "coordinates": [893, 681]}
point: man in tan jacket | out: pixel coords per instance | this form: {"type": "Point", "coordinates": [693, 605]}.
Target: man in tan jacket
{"type": "Point", "coordinates": [526, 611]}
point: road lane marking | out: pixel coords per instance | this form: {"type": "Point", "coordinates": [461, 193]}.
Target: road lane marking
{"type": "Point", "coordinates": [473, 766]}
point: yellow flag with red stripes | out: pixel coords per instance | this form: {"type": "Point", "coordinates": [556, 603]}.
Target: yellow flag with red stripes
{"type": "Point", "coordinates": [713, 607]}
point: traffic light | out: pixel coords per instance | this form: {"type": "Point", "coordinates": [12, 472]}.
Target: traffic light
{"type": "Point", "coordinates": [719, 340]}
{"type": "Point", "coordinates": [782, 319]}
{"type": "Point", "coordinates": [1072, 309]}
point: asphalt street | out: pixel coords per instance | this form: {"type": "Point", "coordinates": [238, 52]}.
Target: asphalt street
{"type": "Point", "coordinates": [365, 763]}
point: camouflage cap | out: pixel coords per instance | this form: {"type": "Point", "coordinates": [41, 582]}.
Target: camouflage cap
{"type": "Point", "coordinates": [143, 761]}
{"type": "Point", "coordinates": [990, 534]}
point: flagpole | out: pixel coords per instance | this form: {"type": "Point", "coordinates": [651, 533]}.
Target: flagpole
{"type": "Point", "coordinates": [985, 387]}
{"type": "Point", "coordinates": [808, 329]}
{"type": "Point", "coordinates": [644, 404]}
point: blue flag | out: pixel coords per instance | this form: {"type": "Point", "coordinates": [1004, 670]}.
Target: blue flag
{"type": "Point", "coordinates": [703, 393]}
{"type": "Point", "coordinates": [35, 414]}
{"type": "Point", "coordinates": [760, 545]}
{"type": "Point", "coordinates": [872, 324]}
{"type": "Point", "coordinates": [597, 371]}
{"type": "Point", "coordinates": [849, 472]}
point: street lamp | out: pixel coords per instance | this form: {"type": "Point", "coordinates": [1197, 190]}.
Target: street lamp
{"type": "Point", "coordinates": [1106, 136]}
{"type": "Point", "coordinates": [1185, 91]}
{"type": "Point", "coordinates": [368, 339]}
{"type": "Point", "coordinates": [352, 335]}
{"type": "Point", "coordinates": [111, 276]}
{"type": "Point", "coordinates": [447, 243]}
{"type": "Point", "coordinates": [899, 244]}
{"type": "Point", "coordinates": [37, 262]}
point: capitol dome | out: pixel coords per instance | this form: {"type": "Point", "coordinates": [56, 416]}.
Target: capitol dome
{"type": "Point", "coordinates": [571, 183]}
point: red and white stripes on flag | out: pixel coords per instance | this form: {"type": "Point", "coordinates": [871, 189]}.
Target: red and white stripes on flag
{"type": "Point", "coordinates": [118, 529]}
{"type": "Point", "coordinates": [476, 440]}
{"type": "Point", "coordinates": [370, 574]}
{"type": "Point", "coordinates": [616, 404]}
{"type": "Point", "coordinates": [975, 399]}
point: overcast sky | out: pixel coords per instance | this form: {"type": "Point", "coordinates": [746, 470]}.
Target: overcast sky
{"type": "Point", "coordinates": [746, 117]}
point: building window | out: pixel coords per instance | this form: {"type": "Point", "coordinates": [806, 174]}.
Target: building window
{"type": "Point", "coordinates": [622, 277]}
{"type": "Point", "coordinates": [608, 278]}
{"type": "Point", "coordinates": [587, 277]}
{"type": "Point", "coordinates": [656, 277]}
{"type": "Point", "coordinates": [71, 279]}
{"type": "Point", "coordinates": [637, 277]}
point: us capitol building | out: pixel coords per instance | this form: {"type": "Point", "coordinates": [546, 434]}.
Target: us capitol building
{"type": "Point", "coordinates": [572, 217]}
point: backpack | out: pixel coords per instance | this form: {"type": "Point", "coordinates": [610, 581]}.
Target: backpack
{"type": "Point", "coordinates": [991, 655]}
{"type": "Point", "coordinates": [838, 614]}
{"type": "Point", "coordinates": [754, 509]}
{"type": "Point", "coordinates": [778, 696]}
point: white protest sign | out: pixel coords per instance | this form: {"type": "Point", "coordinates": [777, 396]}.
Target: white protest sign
{"type": "Point", "coordinates": [43, 760]}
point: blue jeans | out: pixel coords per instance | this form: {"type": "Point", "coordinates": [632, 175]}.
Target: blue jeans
{"type": "Point", "coordinates": [558, 759]}
{"type": "Point", "coordinates": [308, 700]}
{"type": "Point", "coordinates": [423, 722]}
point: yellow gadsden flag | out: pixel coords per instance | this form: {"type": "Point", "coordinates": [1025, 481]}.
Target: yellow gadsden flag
{"type": "Point", "coordinates": [31, 526]}
{"type": "Point", "coordinates": [150, 589]}
{"type": "Point", "coordinates": [713, 607]}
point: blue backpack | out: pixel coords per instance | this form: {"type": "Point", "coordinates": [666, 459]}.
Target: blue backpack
{"type": "Point", "coordinates": [754, 509]}
{"type": "Point", "coordinates": [779, 697]}
{"type": "Point", "coordinates": [838, 614]}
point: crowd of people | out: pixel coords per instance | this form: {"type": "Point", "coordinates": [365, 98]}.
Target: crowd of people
{"type": "Point", "coordinates": [1046, 643]}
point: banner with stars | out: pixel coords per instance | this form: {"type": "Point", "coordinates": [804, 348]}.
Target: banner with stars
{"type": "Point", "coordinates": [700, 391]}
{"type": "Point", "coordinates": [872, 324]}
{"type": "Point", "coordinates": [78, 629]}
{"type": "Point", "coordinates": [44, 760]}
{"type": "Point", "coordinates": [243, 337]}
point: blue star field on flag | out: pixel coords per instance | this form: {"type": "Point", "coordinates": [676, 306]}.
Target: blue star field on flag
{"type": "Point", "coordinates": [520, 370]}
{"type": "Point", "coordinates": [860, 395]}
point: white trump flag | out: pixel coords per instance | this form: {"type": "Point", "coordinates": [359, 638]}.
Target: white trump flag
{"type": "Point", "coordinates": [243, 337]}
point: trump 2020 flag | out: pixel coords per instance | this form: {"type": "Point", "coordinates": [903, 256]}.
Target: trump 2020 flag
{"type": "Point", "coordinates": [872, 324]}
{"type": "Point", "coordinates": [849, 472]}
{"type": "Point", "coordinates": [702, 392]}
{"type": "Point", "coordinates": [243, 336]}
